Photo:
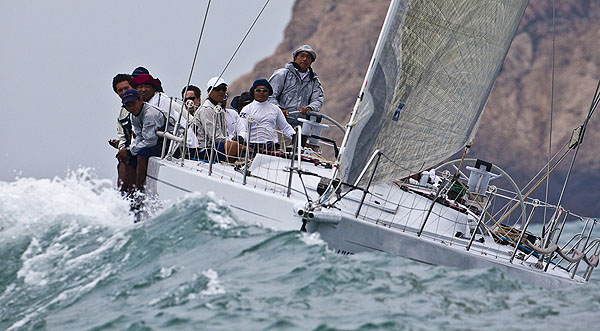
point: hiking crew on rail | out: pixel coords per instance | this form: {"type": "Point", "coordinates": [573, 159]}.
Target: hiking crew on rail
{"type": "Point", "coordinates": [290, 92]}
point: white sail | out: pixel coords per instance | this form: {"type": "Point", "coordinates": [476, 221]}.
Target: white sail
{"type": "Point", "coordinates": [432, 71]}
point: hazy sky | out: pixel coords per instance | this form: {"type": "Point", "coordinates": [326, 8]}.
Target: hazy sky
{"type": "Point", "coordinates": [58, 58]}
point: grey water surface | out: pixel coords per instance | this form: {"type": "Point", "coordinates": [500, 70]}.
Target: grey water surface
{"type": "Point", "coordinates": [72, 259]}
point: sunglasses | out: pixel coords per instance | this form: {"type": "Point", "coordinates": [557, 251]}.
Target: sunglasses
{"type": "Point", "coordinates": [190, 98]}
{"type": "Point", "coordinates": [220, 88]}
{"type": "Point", "coordinates": [261, 90]}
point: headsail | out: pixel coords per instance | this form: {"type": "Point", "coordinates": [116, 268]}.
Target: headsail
{"type": "Point", "coordinates": [432, 71]}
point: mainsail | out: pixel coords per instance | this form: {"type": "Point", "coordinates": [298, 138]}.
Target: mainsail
{"type": "Point", "coordinates": [432, 71]}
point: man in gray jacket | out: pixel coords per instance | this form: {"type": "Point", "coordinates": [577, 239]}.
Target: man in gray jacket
{"type": "Point", "coordinates": [146, 120]}
{"type": "Point", "coordinates": [296, 87]}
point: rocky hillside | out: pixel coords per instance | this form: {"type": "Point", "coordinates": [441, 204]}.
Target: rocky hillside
{"type": "Point", "coordinates": [515, 126]}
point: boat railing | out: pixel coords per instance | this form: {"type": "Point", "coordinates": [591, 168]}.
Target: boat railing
{"type": "Point", "coordinates": [376, 156]}
{"type": "Point", "coordinates": [318, 116]}
{"type": "Point", "coordinates": [595, 245]}
{"type": "Point", "coordinates": [246, 155]}
{"type": "Point", "coordinates": [185, 130]}
{"type": "Point", "coordinates": [295, 147]}
{"type": "Point", "coordinates": [243, 164]}
{"type": "Point", "coordinates": [371, 203]}
{"type": "Point", "coordinates": [400, 211]}
{"type": "Point", "coordinates": [493, 218]}
{"type": "Point", "coordinates": [548, 249]}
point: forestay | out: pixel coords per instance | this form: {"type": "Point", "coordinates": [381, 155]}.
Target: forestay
{"type": "Point", "coordinates": [432, 71]}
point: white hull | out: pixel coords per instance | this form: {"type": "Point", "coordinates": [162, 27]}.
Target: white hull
{"type": "Point", "coordinates": [388, 221]}
{"type": "Point", "coordinates": [252, 205]}
{"type": "Point", "coordinates": [352, 235]}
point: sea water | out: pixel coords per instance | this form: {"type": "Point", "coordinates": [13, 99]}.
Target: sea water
{"type": "Point", "coordinates": [72, 259]}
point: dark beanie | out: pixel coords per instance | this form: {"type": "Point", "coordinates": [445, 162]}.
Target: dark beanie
{"type": "Point", "coordinates": [262, 82]}
{"type": "Point", "coordinates": [139, 71]}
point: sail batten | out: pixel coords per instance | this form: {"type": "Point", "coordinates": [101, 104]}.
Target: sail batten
{"type": "Point", "coordinates": [432, 72]}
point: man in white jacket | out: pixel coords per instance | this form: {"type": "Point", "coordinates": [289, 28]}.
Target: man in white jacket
{"type": "Point", "coordinates": [264, 118]}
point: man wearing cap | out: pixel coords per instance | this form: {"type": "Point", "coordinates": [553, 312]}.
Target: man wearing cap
{"type": "Point", "coordinates": [125, 173]}
{"type": "Point", "coordinates": [212, 119]}
{"type": "Point", "coordinates": [149, 89]}
{"type": "Point", "coordinates": [266, 117]}
{"type": "Point", "coordinates": [146, 120]}
{"type": "Point", "coordinates": [296, 87]}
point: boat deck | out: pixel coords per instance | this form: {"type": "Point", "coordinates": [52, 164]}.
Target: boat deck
{"type": "Point", "coordinates": [392, 218]}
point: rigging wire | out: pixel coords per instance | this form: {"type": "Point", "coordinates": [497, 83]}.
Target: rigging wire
{"type": "Point", "coordinates": [243, 39]}
{"type": "Point", "coordinates": [197, 48]}
{"type": "Point", "coordinates": [556, 154]}
{"type": "Point", "coordinates": [595, 102]}
{"type": "Point", "coordinates": [551, 109]}
{"type": "Point", "coordinates": [230, 59]}
{"type": "Point", "coordinates": [187, 124]}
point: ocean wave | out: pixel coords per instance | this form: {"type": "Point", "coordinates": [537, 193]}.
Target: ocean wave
{"type": "Point", "coordinates": [79, 262]}
{"type": "Point", "coordinates": [65, 238]}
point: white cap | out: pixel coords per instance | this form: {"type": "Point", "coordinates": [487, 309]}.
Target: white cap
{"type": "Point", "coordinates": [215, 82]}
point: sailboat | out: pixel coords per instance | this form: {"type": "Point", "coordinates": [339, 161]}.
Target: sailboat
{"type": "Point", "coordinates": [391, 188]}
